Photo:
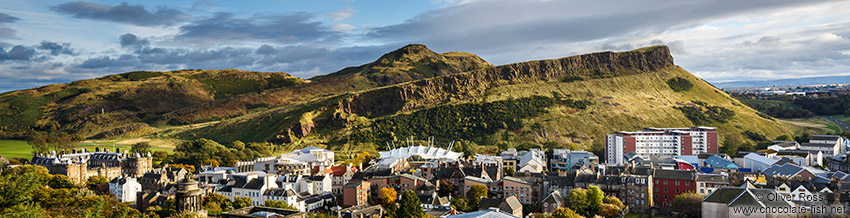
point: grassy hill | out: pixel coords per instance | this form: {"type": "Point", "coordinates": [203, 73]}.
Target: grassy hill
{"type": "Point", "coordinates": [574, 100]}
{"type": "Point", "coordinates": [143, 103]}
{"type": "Point", "coordinates": [412, 91]}
{"type": "Point", "coordinates": [118, 104]}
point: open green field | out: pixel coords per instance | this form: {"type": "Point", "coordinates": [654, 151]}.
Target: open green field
{"type": "Point", "coordinates": [15, 148]}
{"type": "Point", "coordinates": [20, 148]}
{"type": "Point", "coordinates": [819, 125]}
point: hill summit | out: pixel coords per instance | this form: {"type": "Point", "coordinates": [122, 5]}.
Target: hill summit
{"type": "Point", "coordinates": [412, 62]}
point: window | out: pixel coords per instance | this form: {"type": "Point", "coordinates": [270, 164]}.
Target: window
{"type": "Point", "coordinates": [677, 182]}
{"type": "Point", "coordinates": [665, 182]}
{"type": "Point", "coordinates": [687, 183]}
{"type": "Point", "coordinates": [665, 189]}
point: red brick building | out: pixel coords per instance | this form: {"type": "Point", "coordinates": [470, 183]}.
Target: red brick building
{"type": "Point", "coordinates": [669, 183]}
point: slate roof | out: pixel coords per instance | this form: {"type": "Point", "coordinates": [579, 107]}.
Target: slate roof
{"type": "Point", "coordinates": [352, 184]}
{"type": "Point", "coordinates": [824, 145]}
{"type": "Point", "coordinates": [555, 196]}
{"type": "Point", "coordinates": [280, 192]}
{"type": "Point", "coordinates": [562, 181]}
{"type": "Point", "coordinates": [824, 137]}
{"type": "Point", "coordinates": [728, 195]}
{"type": "Point", "coordinates": [787, 170]}
{"type": "Point", "coordinates": [485, 203]}
{"type": "Point", "coordinates": [675, 174]}
{"type": "Point", "coordinates": [255, 184]}
{"type": "Point", "coordinates": [711, 178]}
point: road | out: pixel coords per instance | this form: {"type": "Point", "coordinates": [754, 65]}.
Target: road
{"type": "Point", "coordinates": [841, 125]}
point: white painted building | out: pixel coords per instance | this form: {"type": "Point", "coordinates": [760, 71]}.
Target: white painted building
{"type": "Point", "coordinates": [125, 188]}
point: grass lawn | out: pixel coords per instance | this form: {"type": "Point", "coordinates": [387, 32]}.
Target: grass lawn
{"type": "Point", "coordinates": [15, 148]}
{"type": "Point", "coordinates": [19, 148]}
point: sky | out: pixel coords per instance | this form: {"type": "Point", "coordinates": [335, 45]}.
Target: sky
{"type": "Point", "coordinates": [46, 41]}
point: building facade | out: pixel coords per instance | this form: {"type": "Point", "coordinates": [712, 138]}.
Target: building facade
{"type": "Point", "coordinates": [660, 142]}
{"type": "Point", "coordinates": [79, 166]}
{"type": "Point", "coordinates": [669, 183]}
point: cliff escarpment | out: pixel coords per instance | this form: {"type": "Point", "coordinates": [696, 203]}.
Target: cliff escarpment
{"type": "Point", "coordinates": [422, 93]}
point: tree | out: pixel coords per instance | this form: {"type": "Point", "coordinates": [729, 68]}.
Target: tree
{"type": "Point", "coordinates": [17, 184]}
{"type": "Point", "coordinates": [785, 137]}
{"type": "Point", "coordinates": [25, 210]}
{"type": "Point", "coordinates": [594, 199]}
{"type": "Point", "coordinates": [218, 200]}
{"type": "Point", "coordinates": [59, 181]}
{"type": "Point", "coordinates": [387, 198]}
{"type": "Point", "coordinates": [474, 195]}
{"type": "Point", "coordinates": [238, 145]}
{"type": "Point", "coordinates": [445, 189]}
{"type": "Point", "coordinates": [211, 162]}
{"type": "Point", "coordinates": [141, 148]}
{"type": "Point", "coordinates": [38, 141]}
{"type": "Point", "coordinates": [803, 138]}
{"type": "Point", "coordinates": [93, 181]}
{"type": "Point", "coordinates": [461, 204]}
{"type": "Point", "coordinates": [609, 210]}
{"type": "Point", "coordinates": [241, 202]}
{"type": "Point", "coordinates": [688, 204]}
{"type": "Point", "coordinates": [615, 201]}
{"type": "Point", "coordinates": [362, 158]}
{"type": "Point", "coordinates": [565, 213]}
{"type": "Point", "coordinates": [409, 205]}
{"type": "Point", "coordinates": [279, 204]}
{"type": "Point", "coordinates": [578, 200]}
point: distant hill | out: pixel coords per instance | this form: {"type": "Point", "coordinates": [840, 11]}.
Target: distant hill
{"type": "Point", "coordinates": [786, 82]}
{"type": "Point", "coordinates": [412, 91]}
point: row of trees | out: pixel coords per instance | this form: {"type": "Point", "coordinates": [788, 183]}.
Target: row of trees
{"type": "Point", "coordinates": [204, 152]}
{"type": "Point", "coordinates": [43, 142]}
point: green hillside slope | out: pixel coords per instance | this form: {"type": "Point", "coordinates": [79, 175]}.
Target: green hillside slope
{"type": "Point", "coordinates": [573, 100]}
{"type": "Point", "coordinates": [127, 102]}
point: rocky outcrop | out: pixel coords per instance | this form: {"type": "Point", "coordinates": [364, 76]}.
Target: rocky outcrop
{"type": "Point", "coordinates": [421, 93]}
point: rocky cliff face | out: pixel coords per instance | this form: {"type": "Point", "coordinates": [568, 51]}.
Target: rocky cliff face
{"type": "Point", "coordinates": [421, 93]}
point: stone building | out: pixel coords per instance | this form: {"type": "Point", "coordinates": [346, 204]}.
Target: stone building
{"type": "Point", "coordinates": [79, 166]}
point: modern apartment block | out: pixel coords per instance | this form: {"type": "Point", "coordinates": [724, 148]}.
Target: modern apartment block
{"type": "Point", "coordinates": [660, 142]}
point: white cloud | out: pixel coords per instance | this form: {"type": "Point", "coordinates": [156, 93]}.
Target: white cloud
{"type": "Point", "coordinates": [343, 14]}
{"type": "Point", "coordinates": [343, 27]}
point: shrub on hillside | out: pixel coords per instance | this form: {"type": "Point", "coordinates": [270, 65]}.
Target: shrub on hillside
{"type": "Point", "coordinates": [680, 84]}
{"type": "Point", "coordinates": [703, 114]}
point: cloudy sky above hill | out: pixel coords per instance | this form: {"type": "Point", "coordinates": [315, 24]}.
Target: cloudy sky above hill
{"type": "Point", "coordinates": [44, 42]}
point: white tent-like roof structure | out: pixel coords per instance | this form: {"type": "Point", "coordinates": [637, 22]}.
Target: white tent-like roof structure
{"type": "Point", "coordinates": [426, 152]}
